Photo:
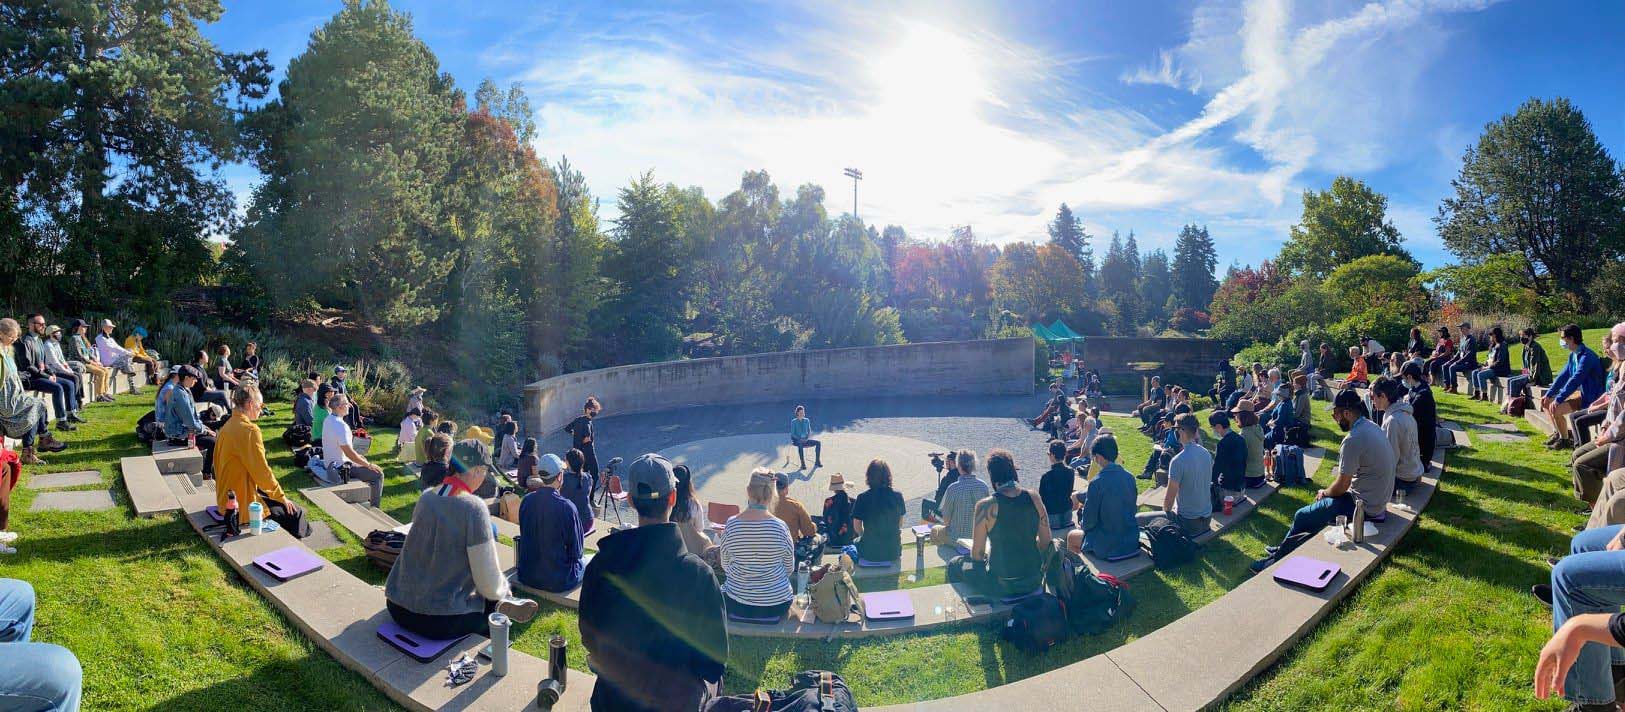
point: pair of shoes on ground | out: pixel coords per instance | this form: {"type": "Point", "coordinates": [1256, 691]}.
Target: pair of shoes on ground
{"type": "Point", "coordinates": [104, 398]}
{"type": "Point", "coordinates": [65, 426]}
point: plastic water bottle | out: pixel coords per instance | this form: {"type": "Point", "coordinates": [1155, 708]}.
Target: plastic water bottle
{"type": "Point", "coordinates": [256, 518]}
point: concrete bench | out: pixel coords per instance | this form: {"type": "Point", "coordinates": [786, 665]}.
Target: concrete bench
{"type": "Point", "coordinates": [177, 459]}
{"type": "Point", "coordinates": [341, 614]}
{"type": "Point", "coordinates": [348, 505]}
{"type": "Point", "coordinates": [149, 494]}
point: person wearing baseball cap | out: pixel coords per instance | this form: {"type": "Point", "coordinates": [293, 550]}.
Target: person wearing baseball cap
{"type": "Point", "coordinates": [81, 355]}
{"type": "Point", "coordinates": [447, 579]}
{"type": "Point", "coordinates": [651, 613]}
{"type": "Point", "coordinates": [549, 546]}
{"type": "Point", "coordinates": [1364, 478]}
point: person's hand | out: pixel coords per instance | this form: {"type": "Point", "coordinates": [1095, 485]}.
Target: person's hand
{"type": "Point", "coordinates": [1320, 495]}
{"type": "Point", "coordinates": [1617, 543]}
{"type": "Point", "coordinates": [293, 509]}
{"type": "Point", "coordinates": [1555, 660]}
{"type": "Point", "coordinates": [51, 378]}
{"type": "Point", "coordinates": [1545, 402]}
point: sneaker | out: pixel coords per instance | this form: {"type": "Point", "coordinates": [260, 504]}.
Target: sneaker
{"type": "Point", "coordinates": [7, 550]}
{"type": "Point", "coordinates": [1261, 564]}
{"type": "Point", "coordinates": [66, 426]}
{"type": "Point", "coordinates": [104, 398]}
{"type": "Point", "coordinates": [8, 537]}
{"type": "Point", "coordinates": [519, 610]}
{"type": "Point", "coordinates": [1543, 593]}
{"type": "Point", "coordinates": [74, 417]}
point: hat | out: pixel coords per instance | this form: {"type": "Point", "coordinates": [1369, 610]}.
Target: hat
{"type": "Point", "coordinates": [140, 331]}
{"type": "Point", "coordinates": [75, 324]}
{"type": "Point", "coordinates": [415, 390]}
{"type": "Point", "coordinates": [550, 466]}
{"type": "Point", "coordinates": [765, 477]}
{"type": "Point", "coordinates": [53, 329]}
{"type": "Point", "coordinates": [782, 480]}
{"type": "Point", "coordinates": [1243, 406]}
{"type": "Point", "coordinates": [340, 369]}
{"type": "Point", "coordinates": [469, 454]}
{"type": "Point", "coordinates": [650, 478]}
{"type": "Point", "coordinates": [1348, 399]}
{"type": "Point", "coordinates": [837, 482]}
{"type": "Point", "coordinates": [108, 323]}
{"type": "Point", "coordinates": [188, 370]}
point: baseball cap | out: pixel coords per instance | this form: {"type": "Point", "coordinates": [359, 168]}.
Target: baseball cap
{"type": "Point", "coordinates": [53, 329]}
{"type": "Point", "coordinates": [549, 466]}
{"type": "Point", "coordinates": [1348, 399]}
{"type": "Point", "coordinates": [340, 369]}
{"type": "Point", "coordinates": [107, 322]}
{"type": "Point", "coordinates": [650, 477]}
{"type": "Point", "coordinates": [469, 454]}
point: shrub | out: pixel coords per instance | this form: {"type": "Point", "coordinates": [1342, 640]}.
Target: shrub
{"type": "Point", "coordinates": [178, 342]}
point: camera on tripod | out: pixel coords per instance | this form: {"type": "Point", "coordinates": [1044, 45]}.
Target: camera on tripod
{"type": "Point", "coordinates": [940, 460]}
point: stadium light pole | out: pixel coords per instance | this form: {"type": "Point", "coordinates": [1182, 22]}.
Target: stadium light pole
{"type": "Point", "coordinates": [856, 175]}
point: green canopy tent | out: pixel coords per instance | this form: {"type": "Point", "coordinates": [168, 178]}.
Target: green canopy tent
{"type": "Point", "coordinates": [1045, 334]}
{"type": "Point", "coordinates": [1064, 332]}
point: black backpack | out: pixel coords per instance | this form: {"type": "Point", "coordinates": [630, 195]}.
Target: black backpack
{"type": "Point", "coordinates": [1093, 603]}
{"type": "Point", "coordinates": [838, 520]}
{"type": "Point", "coordinates": [1166, 543]}
{"type": "Point", "coordinates": [1037, 624]}
{"type": "Point", "coordinates": [147, 429]}
{"type": "Point", "coordinates": [296, 436]}
{"type": "Point", "coordinates": [809, 691]}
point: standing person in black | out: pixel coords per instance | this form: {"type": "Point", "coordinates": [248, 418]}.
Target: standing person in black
{"type": "Point", "coordinates": [1424, 410]}
{"type": "Point", "coordinates": [1013, 519]}
{"type": "Point", "coordinates": [581, 437]}
{"type": "Point", "coordinates": [1055, 487]}
{"type": "Point", "coordinates": [651, 613]}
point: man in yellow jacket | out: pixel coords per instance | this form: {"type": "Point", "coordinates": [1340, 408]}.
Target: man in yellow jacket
{"type": "Point", "coordinates": [240, 466]}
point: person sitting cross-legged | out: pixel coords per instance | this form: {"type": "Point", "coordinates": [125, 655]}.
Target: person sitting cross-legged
{"type": "Point", "coordinates": [1229, 457]}
{"type": "Point", "coordinates": [793, 513]}
{"type": "Point", "coordinates": [34, 677]}
{"type": "Point", "coordinates": [1399, 426]}
{"type": "Point", "coordinates": [1253, 435]}
{"type": "Point", "coordinates": [651, 613]}
{"type": "Point", "coordinates": [1189, 496]}
{"type": "Point", "coordinates": [1106, 526]}
{"type": "Point", "coordinates": [240, 466]}
{"type": "Point", "coordinates": [578, 485]}
{"type": "Point", "coordinates": [1014, 522]}
{"type": "Point", "coordinates": [757, 554]}
{"type": "Point", "coordinates": [1358, 374]}
{"type": "Point", "coordinates": [958, 501]}
{"type": "Point", "coordinates": [549, 546]}
{"type": "Point", "coordinates": [447, 579]}
{"type": "Point", "coordinates": [1365, 477]}
{"type": "Point", "coordinates": [1055, 487]}
{"type": "Point", "coordinates": [877, 516]}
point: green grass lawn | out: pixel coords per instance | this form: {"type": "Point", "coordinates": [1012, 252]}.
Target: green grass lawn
{"type": "Point", "coordinates": [1444, 624]}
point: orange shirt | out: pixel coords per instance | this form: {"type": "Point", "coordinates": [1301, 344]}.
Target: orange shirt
{"type": "Point", "coordinates": [1358, 371]}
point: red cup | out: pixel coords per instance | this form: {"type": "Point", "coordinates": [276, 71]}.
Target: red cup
{"type": "Point", "coordinates": [1229, 504]}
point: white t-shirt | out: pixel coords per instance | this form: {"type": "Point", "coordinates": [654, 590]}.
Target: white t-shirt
{"type": "Point", "coordinates": [335, 435]}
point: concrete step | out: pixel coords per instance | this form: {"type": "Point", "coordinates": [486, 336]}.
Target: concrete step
{"type": "Point", "coordinates": [149, 493]}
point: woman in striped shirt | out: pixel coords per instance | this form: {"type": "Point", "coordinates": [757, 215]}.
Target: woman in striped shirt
{"type": "Point", "coordinates": [757, 555]}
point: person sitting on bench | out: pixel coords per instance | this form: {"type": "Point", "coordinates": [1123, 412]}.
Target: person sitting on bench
{"type": "Point", "coordinates": [1464, 361]}
{"type": "Point", "coordinates": [1535, 369]}
{"type": "Point", "coordinates": [959, 501]}
{"type": "Point", "coordinates": [1106, 526]}
{"type": "Point", "coordinates": [1497, 364]}
{"type": "Point", "coordinates": [877, 516]}
{"type": "Point", "coordinates": [1279, 418]}
{"type": "Point", "coordinates": [801, 437]}
{"type": "Point", "coordinates": [181, 421]}
{"type": "Point", "coordinates": [793, 513]}
{"type": "Point", "coordinates": [436, 461]}
{"type": "Point", "coordinates": [1189, 496]}
{"type": "Point", "coordinates": [344, 463]}
{"type": "Point", "coordinates": [1055, 487]}
{"type": "Point", "coordinates": [651, 613]}
{"type": "Point", "coordinates": [549, 547]}
{"type": "Point", "coordinates": [304, 408]}
{"type": "Point", "coordinates": [33, 676]}
{"type": "Point", "coordinates": [1578, 384]}
{"type": "Point", "coordinates": [1365, 477]}
{"type": "Point", "coordinates": [1229, 457]}
{"type": "Point", "coordinates": [447, 579]}
{"type": "Point", "coordinates": [578, 485]}
{"type": "Point", "coordinates": [1358, 375]}
{"type": "Point", "coordinates": [757, 554]}
{"type": "Point", "coordinates": [1399, 426]}
{"type": "Point", "coordinates": [1151, 408]}
{"type": "Point", "coordinates": [1013, 520]}
{"type": "Point", "coordinates": [240, 466]}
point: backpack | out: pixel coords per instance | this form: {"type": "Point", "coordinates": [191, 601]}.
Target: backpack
{"type": "Point", "coordinates": [1166, 543]}
{"type": "Point", "coordinates": [809, 691]}
{"type": "Point", "coordinates": [1289, 465]}
{"type": "Point", "coordinates": [296, 436]}
{"type": "Point", "coordinates": [1517, 406]}
{"type": "Point", "coordinates": [508, 505]}
{"type": "Point", "coordinates": [834, 595]}
{"type": "Point", "coordinates": [383, 547]}
{"type": "Point", "coordinates": [301, 456]}
{"type": "Point", "coordinates": [1037, 624]}
{"type": "Point", "coordinates": [1446, 437]}
{"type": "Point", "coordinates": [1093, 602]}
{"type": "Point", "coordinates": [838, 520]}
{"type": "Point", "coordinates": [963, 569]}
{"type": "Point", "coordinates": [147, 429]}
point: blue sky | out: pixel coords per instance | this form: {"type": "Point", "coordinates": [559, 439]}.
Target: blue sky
{"type": "Point", "coordinates": [1142, 116]}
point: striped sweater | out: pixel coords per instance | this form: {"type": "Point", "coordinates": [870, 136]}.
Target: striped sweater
{"type": "Point", "coordinates": [758, 557]}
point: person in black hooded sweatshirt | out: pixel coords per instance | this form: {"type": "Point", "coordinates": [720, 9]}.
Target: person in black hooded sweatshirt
{"type": "Point", "coordinates": [651, 613]}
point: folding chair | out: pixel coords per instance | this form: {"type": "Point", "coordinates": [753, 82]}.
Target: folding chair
{"type": "Point", "coordinates": [719, 514]}
{"type": "Point", "coordinates": [615, 495]}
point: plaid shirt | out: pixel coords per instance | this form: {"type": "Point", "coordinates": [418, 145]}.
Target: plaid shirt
{"type": "Point", "coordinates": [959, 505]}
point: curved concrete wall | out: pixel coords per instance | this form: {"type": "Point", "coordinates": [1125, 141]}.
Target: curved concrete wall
{"type": "Point", "coordinates": [998, 366]}
{"type": "Point", "coordinates": [1183, 356]}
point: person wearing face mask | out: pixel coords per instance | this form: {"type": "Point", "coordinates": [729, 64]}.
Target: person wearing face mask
{"type": "Point", "coordinates": [1535, 367]}
{"type": "Point", "coordinates": [1593, 460]}
{"type": "Point", "coordinates": [1579, 383]}
{"type": "Point", "coordinates": [1365, 478]}
{"type": "Point", "coordinates": [1583, 421]}
{"type": "Point", "coordinates": [1423, 410]}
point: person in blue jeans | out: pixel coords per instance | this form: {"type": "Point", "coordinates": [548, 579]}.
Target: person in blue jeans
{"type": "Point", "coordinates": [1106, 526]}
{"type": "Point", "coordinates": [801, 437]}
{"type": "Point", "coordinates": [1365, 477]}
{"type": "Point", "coordinates": [1587, 582]}
{"type": "Point", "coordinates": [34, 677]}
{"type": "Point", "coordinates": [1576, 386]}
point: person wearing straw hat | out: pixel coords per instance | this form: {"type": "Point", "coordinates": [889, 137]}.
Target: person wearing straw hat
{"type": "Point", "coordinates": [837, 517]}
{"type": "Point", "coordinates": [414, 398]}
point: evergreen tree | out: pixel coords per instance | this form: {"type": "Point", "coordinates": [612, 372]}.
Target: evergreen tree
{"type": "Point", "coordinates": [645, 313]}
{"type": "Point", "coordinates": [1119, 282]}
{"type": "Point", "coordinates": [1156, 287]}
{"type": "Point", "coordinates": [1194, 261]}
{"type": "Point", "coordinates": [578, 285]}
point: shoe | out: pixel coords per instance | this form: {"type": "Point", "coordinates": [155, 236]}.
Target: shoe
{"type": "Point", "coordinates": [104, 398]}
{"type": "Point", "coordinates": [1272, 550]}
{"type": "Point", "coordinates": [1261, 564]}
{"type": "Point", "coordinates": [8, 537]}
{"type": "Point", "coordinates": [1543, 593]}
{"type": "Point", "coordinates": [1552, 560]}
{"type": "Point", "coordinates": [519, 610]}
{"type": "Point", "coordinates": [7, 550]}
{"type": "Point", "coordinates": [74, 417]}
{"type": "Point", "coordinates": [1143, 476]}
{"type": "Point", "coordinates": [818, 463]}
{"type": "Point", "coordinates": [1563, 444]}
{"type": "Point", "coordinates": [50, 444]}
{"type": "Point", "coordinates": [1579, 528]}
{"type": "Point", "coordinates": [28, 457]}
{"type": "Point", "coordinates": [66, 426]}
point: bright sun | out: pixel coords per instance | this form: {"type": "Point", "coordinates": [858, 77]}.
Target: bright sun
{"type": "Point", "coordinates": [932, 73]}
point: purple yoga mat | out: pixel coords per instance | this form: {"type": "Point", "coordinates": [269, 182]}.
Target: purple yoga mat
{"type": "Point", "coordinates": [420, 648]}
{"type": "Point", "coordinates": [887, 605]}
{"type": "Point", "coordinates": [214, 513]}
{"type": "Point", "coordinates": [288, 562]}
{"type": "Point", "coordinates": [1312, 574]}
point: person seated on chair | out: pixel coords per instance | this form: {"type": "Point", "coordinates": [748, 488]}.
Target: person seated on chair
{"type": "Point", "coordinates": [801, 437]}
{"type": "Point", "coordinates": [1014, 521]}
{"type": "Point", "coordinates": [447, 579]}
{"type": "Point", "coordinates": [959, 501]}
{"type": "Point", "coordinates": [343, 462]}
{"type": "Point", "coordinates": [1189, 496]}
{"type": "Point", "coordinates": [549, 547]}
{"type": "Point", "coordinates": [1279, 418]}
{"type": "Point", "coordinates": [757, 554]}
{"type": "Point", "coordinates": [793, 513]}
{"type": "Point", "coordinates": [1497, 364]}
{"type": "Point", "coordinates": [578, 485]}
{"type": "Point", "coordinates": [1106, 526]}
{"type": "Point", "coordinates": [1579, 383]}
{"type": "Point", "coordinates": [877, 516]}
{"type": "Point", "coordinates": [33, 676]}
{"type": "Point", "coordinates": [1253, 435]}
{"type": "Point", "coordinates": [1055, 487]}
{"type": "Point", "coordinates": [651, 613]}
{"type": "Point", "coordinates": [1229, 458]}
{"type": "Point", "coordinates": [181, 420]}
{"type": "Point", "coordinates": [240, 466]}
{"type": "Point", "coordinates": [1365, 477]}
{"type": "Point", "coordinates": [1399, 425]}
{"type": "Point", "coordinates": [1358, 374]}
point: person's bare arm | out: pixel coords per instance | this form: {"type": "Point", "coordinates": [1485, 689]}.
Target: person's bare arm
{"type": "Point", "coordinates": [1170, 496]}
{"type": "Point", "coordinates": [987, 511]}
{"type": "Point", "coordinates": [1043, 538]}
{"type": "Point", "coordinates": [1552, 667]}
{"type": "Point", "coordinates": [857, 527]}
{"type": "Point", "coordinates": [1338, 487]}
{"type": "Point", "coordinates": [356, 458]}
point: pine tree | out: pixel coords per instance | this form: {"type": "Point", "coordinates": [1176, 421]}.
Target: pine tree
{"type": "Point", "coordinates": [645, 262]}
{"type": "Point", "coordinates": [1066, 232]}
{"type": "Point", "coordinates": [1194, 261]}
{"type": "Point", "coordinates": [1156, 285]}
